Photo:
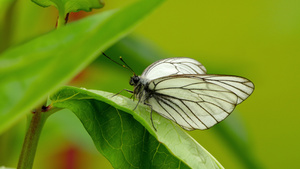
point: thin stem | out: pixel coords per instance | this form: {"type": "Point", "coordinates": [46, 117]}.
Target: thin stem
{"type": "Point", "coordinates": [62, 19]}
{"type": "Point", "coordinates": [32, 136]}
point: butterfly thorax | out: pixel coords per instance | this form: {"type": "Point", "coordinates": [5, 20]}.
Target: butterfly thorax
{"type": "Point", "coordinates": [140, 85]}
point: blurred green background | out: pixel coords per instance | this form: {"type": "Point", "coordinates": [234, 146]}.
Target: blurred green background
{"type": "Point", "coordinates": [259, 40]}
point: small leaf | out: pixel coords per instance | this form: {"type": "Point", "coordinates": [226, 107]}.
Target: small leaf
{"type": "Point", "coordinates": [67, 6]}
{"type": "Point", "coordinates": [126, 137]}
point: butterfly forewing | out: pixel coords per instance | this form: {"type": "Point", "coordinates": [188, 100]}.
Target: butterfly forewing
{"type": "Point", "coordinates": [173, 66]}
{"type": "Point", "coordinates": [197, 101]}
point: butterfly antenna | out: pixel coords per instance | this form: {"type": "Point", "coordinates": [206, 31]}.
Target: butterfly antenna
{"type": "Point", "coordinates": [128, 68]}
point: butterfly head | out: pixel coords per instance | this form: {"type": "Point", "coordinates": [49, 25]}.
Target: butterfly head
{"type": "Point", "coordinates": [134, 80]}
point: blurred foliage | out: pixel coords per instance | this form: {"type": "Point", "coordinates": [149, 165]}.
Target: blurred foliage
{"type": "Point", "coordinates": [53, 60]}
{"type": "Point", "coordinates": [258, 39]}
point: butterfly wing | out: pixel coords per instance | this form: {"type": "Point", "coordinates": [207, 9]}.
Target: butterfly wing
{"type": "Point", "coordinates": [198, 101]}
{"type": "Point", "coordinates": [173, 66]}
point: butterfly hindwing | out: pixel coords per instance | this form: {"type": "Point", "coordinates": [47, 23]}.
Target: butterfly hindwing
{"type": "Point", "coordinates": [197, 101]}
{"type": "Point", "coordinates": [242, 87]}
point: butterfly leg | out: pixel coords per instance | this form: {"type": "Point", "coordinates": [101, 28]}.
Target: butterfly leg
{"type": "Point", "coordinates": [151, 115]}
{"type": "Point", "coordinates": [129, 91]}
{"type": "Point", "coordinates": [136, 105]}
{"type": "Point", "coordinates": [140, 98]}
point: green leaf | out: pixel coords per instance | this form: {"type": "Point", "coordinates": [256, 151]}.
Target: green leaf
{"type": "Point", "coordinates": [67, 6]}
{"type": "Point", "coordinates": [126, 137]}
{"type": "Point", "coordinates": [33, 70]}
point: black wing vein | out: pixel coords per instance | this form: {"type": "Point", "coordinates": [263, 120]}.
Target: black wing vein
{"type": "Point", "coordinates": [164, 101]}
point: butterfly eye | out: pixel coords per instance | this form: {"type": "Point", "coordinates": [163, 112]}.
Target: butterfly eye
{"type": "Point", "coordinates": [134, 80]}
{"type": "Point", "coordinates": [131, 81]}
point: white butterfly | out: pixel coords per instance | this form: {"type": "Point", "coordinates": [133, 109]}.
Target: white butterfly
{"type": "Point", "coordinates": [180, 90]}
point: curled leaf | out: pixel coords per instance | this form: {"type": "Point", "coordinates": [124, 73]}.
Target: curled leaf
{"type": "Point", "coordinates": [126, 137]}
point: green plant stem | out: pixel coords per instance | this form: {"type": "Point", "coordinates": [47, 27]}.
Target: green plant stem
{"type": "Point", "coordinates": [32, 136]}
{"type": "Point", "coordinates": [31, 140]}
{"type": "Point", "coordinates": [62, 19]}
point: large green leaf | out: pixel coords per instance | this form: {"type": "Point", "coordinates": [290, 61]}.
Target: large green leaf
{"type": "Point", "coordinates": [31, 71]}
{"type": "Point", "coordinates": [126, 137]}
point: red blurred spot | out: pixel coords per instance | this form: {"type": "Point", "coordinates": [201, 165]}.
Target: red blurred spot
{"type": "Point", "coordinates": [70, 157]}
{"type": "Point", "coordinates": [79, 77]}
{"type": "Point", "coordinates": [78, 15]}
